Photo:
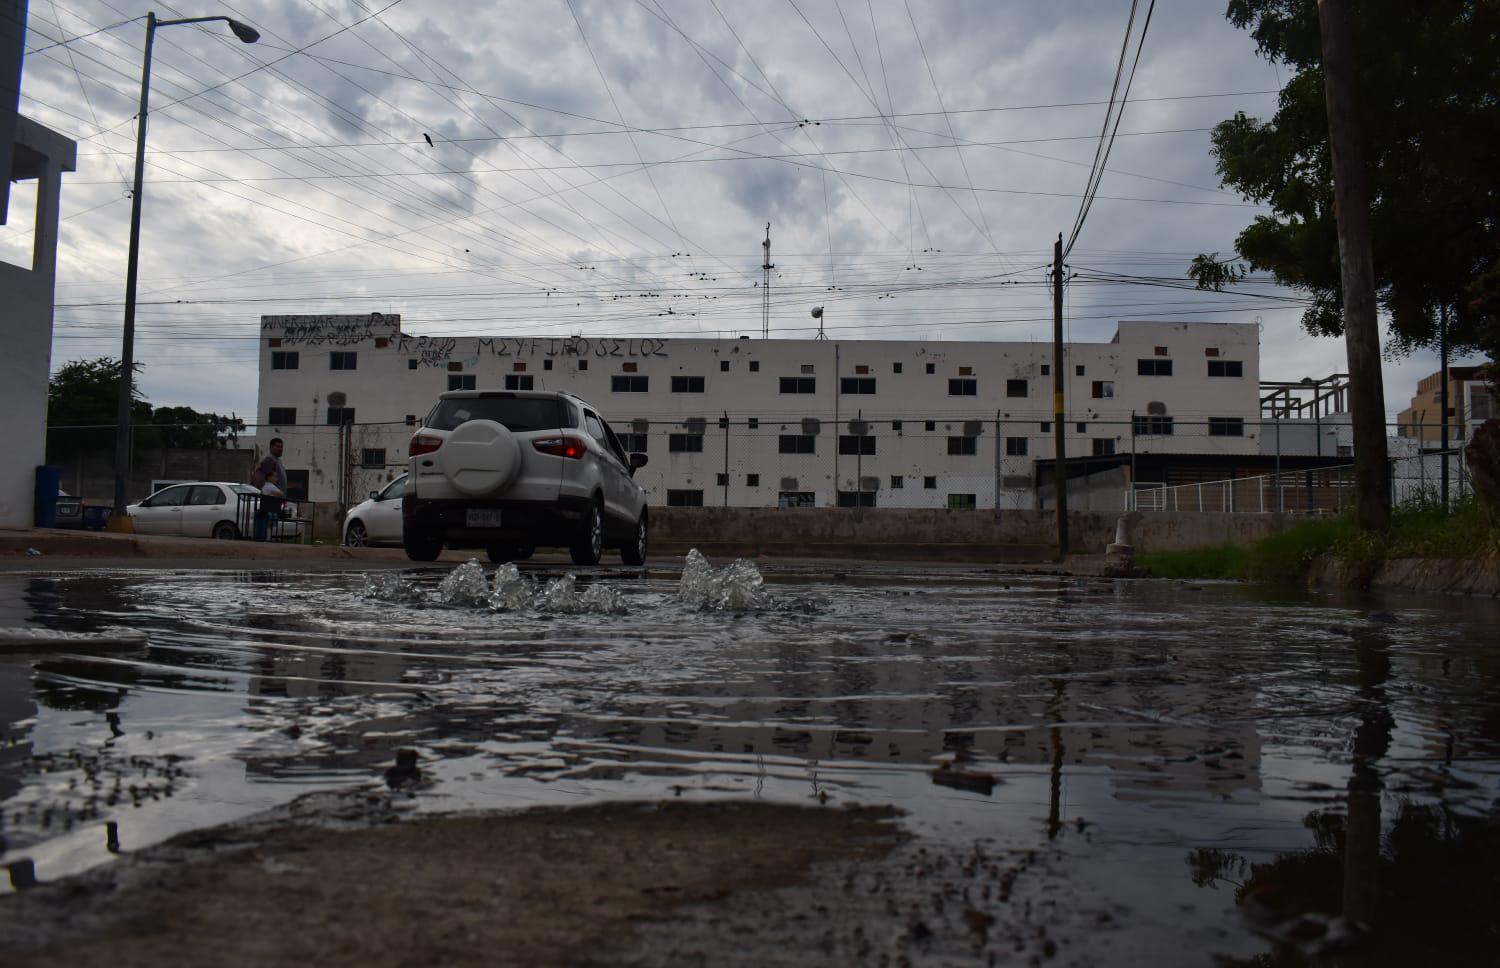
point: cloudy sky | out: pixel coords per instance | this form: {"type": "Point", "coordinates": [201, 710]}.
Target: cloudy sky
{"type": "Point", "coordinates": [608, 167]}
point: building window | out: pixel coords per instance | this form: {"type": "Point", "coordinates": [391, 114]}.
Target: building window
{"type": "Point", "coordinates": [515, 381]}
{"type": "Point", "coordinates": [281, 416]}
{"type": "Point", "coordinates": [857, 384]}
{"type": "Point", "coordinates": [896, 426]}
{"type": "Point", "coordinates": [1344, 450]}
{"type": "Point", "coordinates": [583, 365]}
{"type": "Point", "coordinates": [459, 367]}
{"type": "Point", "coordinates": [465, 381]}
{"type": "Point", "coordinates": [963, 446]}
{"type": "Point", "coordinates": [1104, 390]}
{"type": "Point", "coordinates": [963, 388]}
{"type": "Point", "coordinates": [929, 483]}
{"type": "Point", "coordinates": [752, 480]}
{"type": "Point", "coordinates": [897, 482]}
{"type": "Point", "coordinates": [337, 416]}
{"type": "Point", "coordinates": [1078, 370]}
{"type": "Point", "coordinates": [931, 367]}
{"type": "Point", "coordinates": [1226, 368]}
{"type": "Point", "coordinates": [930, 425]}
{"type": "Point", "coordinates": [895, 367]}
{"type": "Point", "coordinates": [546, 364]}
{"type": "Point", "coordinates": [1014, 446]}
{"type": "Point", "coordinates": [753, 423]}
{"type": "Point", "coordinates": [632, 443]}
{"type": "Point", "coordinates": [1226, 426]}
{"type": "Point", "coordinates": [799, 384]}
{"type": "Point", "coordinates": [1046, 426]}
{"type": "Point", "coordinates": [372, 457]}
{"type": "Point", "coordinates": [411, 420]}
{"type": "Point", "coordinates": [1083, 428]}
{"type": "Point", "coordinates": [343, 361]}
{"type": "Point", "coordinates": [1152, 426]}
{"type": "Point", "coordinates": [685, 443]}
{"type": "Point", "coordinates": [285, 360]}
{"type": "Point", "coordinates": [1046, 369]}
{"type": "Point", "coordinates": [411, 364]}
{"type": "Point", "coordinates": [684, 499]}
{"type": "Point", "coordinates": [755, 366]}
{"type": "Point", "coordinates": [1015, 388]}
{"type": "Point", "coordinates": [851, 444]}
{"type": "Point", "coordinates": [687, 384]}
{"type": "Point", "coordinates": [1153, 367]}
{"type": "Point", "coordinates": [796, 499]}
{"type": "Point", "coordinates": [856, 499]}
{"type": "Point", "coordinates": [723, 366]}
{"type": "Point", "coordinates": [1104, 446]}
{"type": "Point", "coordinates": [629, 384]}
{"type": "Point", "coordinates": [797, 444]}
{"type": "Point", "coordinates": [721, 479]}
{"type": "Point", "coordinates": [807, 369]}
{"type": "Point", "coordinates": [962, 502]}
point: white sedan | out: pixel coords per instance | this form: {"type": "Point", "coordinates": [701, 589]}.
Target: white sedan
{"type": "Point", "coordinates": [377, 520]}
{"type": "Point", "coordinates": [206, 509]}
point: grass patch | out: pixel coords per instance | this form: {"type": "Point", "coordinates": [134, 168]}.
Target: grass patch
{"type": "Point", "coordinates": [1222, 562]}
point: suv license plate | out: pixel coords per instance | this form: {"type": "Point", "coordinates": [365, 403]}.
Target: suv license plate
{"type": "Point", "coordinates": [483, 518]}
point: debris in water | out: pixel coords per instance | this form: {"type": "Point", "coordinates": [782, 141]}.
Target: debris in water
{"type": "Point", "coordinates": [33, 553]}
{"type": "Point", "coordinates": [388, 587]}
{"type": "Point", "coordinates": [405, 772]}
{"type": "Point", "coordinates": [737, 587]}
{"type": "Point", "coordinates": [465, 585]}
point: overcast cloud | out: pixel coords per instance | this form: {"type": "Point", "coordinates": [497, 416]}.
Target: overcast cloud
{"type": "Point", "coordinates": [284, 182]}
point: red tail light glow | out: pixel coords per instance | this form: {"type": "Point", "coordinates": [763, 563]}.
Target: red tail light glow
{"type": "Point", "coordinates": [422, 444]}
{"type": "Point", "coordinates": [570, 447]}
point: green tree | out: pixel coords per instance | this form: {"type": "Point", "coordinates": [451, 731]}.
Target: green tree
{"type": "Point", "coordinates": [1430, 123]}
{"type": "Point", "coordinates": [82, 400]}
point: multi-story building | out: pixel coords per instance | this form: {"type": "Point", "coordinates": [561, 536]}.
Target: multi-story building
{"type": "Point", "coordinates": [1469, 405]}
{"type": "Point", "coordinates": [909, 423]}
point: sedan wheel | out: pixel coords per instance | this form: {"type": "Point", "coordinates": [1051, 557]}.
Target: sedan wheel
{"type": "Point", "coordinates": [634, 552]}
{"type": "Point", "coordinates": [225, 531]}
{"type": "Point", "coordinates": [356, 536]}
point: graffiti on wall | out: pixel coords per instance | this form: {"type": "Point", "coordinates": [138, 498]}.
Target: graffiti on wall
{"type": "Point", "coordinates": [437, 351]}
{"type": "Point", "coordinates": [330, 330]}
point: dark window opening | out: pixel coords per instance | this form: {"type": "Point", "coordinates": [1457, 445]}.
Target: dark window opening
{"type": "Point", "coordinates": [799, 384]}
{"type": "Point", "coordinates": [1104, 446]}
{"type": "Point", "coordinates": [282, 415]}
{"type": "Point", "coordinates": [1226, 426]}
{"type": "Point", "coordinates": [285, 360]}
{"type": "Point", "coordinates": [963, 388]}
{"type": "Point", "coordinates": [929, 482]}
{"type": "Point", "coordinates": [857, 384]}
{"type": "Point", "coordinates": [1152, 426]}
{"type": "Point", "coordinates": [1015, 446]}
{"type": "Point", "coordinates": [687, 384]}
{"type": "Point", "coordinates": [464, 381]}
{"type": "Point", "coordinates": [1226, 368]}
{"type": "Point", "coordinates": [372, 457]}
{"type": "Point", "coordinates": [685, 443]}
{"type": "Point", "coordinates": [963, 446]}
{"type": "Point", "coordinates": [962, 502]}
{"type": "Point", "coordinates": [343, 361]}
{"type": "Point", "coordinates": [797, 444]}
{"type": "Point", "coordinates": [515, 381]}
{"type": "Point", "coordinates": [856, 499]}
{"type": "Point", "coordinates": [1015, 388]}
{"type": "Point", "coordinates": [857, 445]}
{"type": "Point", "coordinates": [630, 384]}
{"type": "Point", "coordinates": [684, 499]}
{"type": "Point", "coordinates": [1153, 367]}
{"type": "Point", "coordinates": [1104, 389]}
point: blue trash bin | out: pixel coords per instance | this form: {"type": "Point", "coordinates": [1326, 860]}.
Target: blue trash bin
{"type": "Point", "coordinates": [48, 481]}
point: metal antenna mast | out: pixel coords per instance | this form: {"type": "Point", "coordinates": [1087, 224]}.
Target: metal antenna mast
{"type": "Point", "coordinates": [765, 286]}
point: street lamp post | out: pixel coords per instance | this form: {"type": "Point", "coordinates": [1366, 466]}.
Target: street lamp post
{"type": "Point", "coordinates": [248, 35]}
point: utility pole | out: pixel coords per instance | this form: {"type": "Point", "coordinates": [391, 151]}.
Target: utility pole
{"type": "Point", "coordinates": [1058, 431]}
{"type": "Point", "coordinates": [1356, 266]}
{"type": "Point", "coordinates": [1443, 398]}
{"type": "Point", "coordinates": [765, 286]}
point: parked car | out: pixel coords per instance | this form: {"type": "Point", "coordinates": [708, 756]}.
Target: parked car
{"type": "Point", "coordinates": [205, 509]}
{"type": "Point", "coordinates": [509, 471]}
{"type": "Point", "coordinates": [377, 520]}
{"type": "Point", "coordinates": [69, 510]}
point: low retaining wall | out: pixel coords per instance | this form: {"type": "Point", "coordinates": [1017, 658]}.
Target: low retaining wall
{"type": "Point", "coordinates": [1012, 536]}
{"type": "Point", "coordinates": [1428, 575]}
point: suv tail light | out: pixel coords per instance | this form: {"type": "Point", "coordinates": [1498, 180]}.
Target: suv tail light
{"type": "Point", "coordinates": [570, 447]}
{"type": "Point", "coordinates": [422, 444]}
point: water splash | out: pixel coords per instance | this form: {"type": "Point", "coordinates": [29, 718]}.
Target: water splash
{"type": "Point", "coordinates": [602, 599]}
{"type": "Point", "coordinates": [511, 590]}
{"type": "Point", "coordinates": [387, 587]}
{"type": "Point", "coordinates": [465, 585]}
{"type": "Point", "coordinates": [737, 587]}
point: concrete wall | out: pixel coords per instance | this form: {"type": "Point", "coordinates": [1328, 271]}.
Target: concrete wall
{"type": "Point", "coordinates": [398, 377]}
{"type": "Point", "coordinates": [92, 477]}
{"type": "Point", "coordinates": [1009, 536]}
{"type": "Point", "coordinates": [27, 294]}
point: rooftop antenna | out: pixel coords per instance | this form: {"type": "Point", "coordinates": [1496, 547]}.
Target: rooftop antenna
{"type": "Point", "coordinates": [817, 314]}
{"type": "Point", "coordinates": [765, 286]}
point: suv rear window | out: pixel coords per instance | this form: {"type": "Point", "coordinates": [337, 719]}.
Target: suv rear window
{"type": "Point", "coordinates": [516, 414]}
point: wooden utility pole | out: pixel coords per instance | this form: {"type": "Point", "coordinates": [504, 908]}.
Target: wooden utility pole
{"type": "Point", "coordinates": [1442, 396]}
{"type": "Point", "coordinates": [1060, 464]}
{"type": "Point", "coordinates": [1356, 265]}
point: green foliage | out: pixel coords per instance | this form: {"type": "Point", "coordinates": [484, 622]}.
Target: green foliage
{"type": "Point", "coordinates": [1223, 562]}
{"type": "Point", "coordinates": [1287, 557]}
{"type": "Point", "coordinates": [1430, 127]}
{"type": "Point", "coordinates": [84, 396]}
{"type": "Point", "coordinates": [1210, 272]}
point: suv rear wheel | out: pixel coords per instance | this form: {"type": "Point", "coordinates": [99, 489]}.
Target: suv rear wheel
{"type": "Point", "coordinates": [422, 545]}
{"type": "Point", "coordinates": [633, 552]}
{"type": "Point", "coordinates": [588, 543]}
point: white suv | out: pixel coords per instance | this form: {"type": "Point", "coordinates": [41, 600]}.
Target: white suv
{"type": "Point", "coordinates": [510, 470]}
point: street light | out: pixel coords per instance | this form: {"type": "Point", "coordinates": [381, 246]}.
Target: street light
{"type": "Point", "coordinates": [248, 35]}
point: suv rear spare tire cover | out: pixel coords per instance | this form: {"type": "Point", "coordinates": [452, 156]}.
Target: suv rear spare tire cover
{"type": "Point", "coordinates": [480, 458]}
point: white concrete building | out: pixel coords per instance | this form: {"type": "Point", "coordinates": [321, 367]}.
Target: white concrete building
{"type": "Point", "coordinates": [42, 155]}
{"type": "Point", "coordinates": [746, 422]}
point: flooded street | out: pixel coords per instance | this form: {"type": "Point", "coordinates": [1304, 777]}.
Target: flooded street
{"type": "Point", "coordinates": [1180, 772]}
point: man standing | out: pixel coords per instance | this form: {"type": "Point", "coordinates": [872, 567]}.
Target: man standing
{"type": "Point", "coordinates": [270, 477]}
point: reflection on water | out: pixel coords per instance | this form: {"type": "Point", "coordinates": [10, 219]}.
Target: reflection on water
{"type": "Point", "coordinates": [1310, 755]}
